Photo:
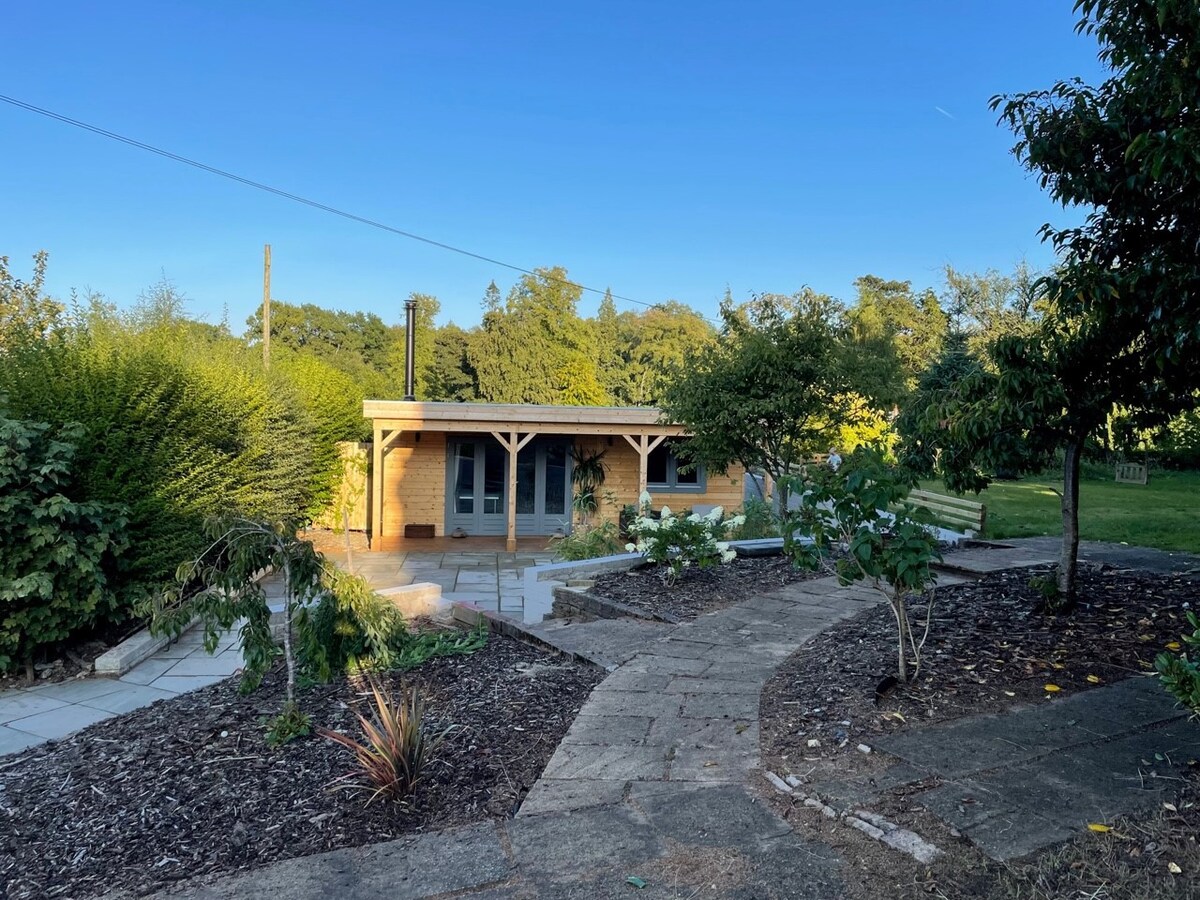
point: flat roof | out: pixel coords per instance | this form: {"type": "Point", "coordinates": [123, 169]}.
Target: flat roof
{"type": "Point", "coordinates": [444, 416]}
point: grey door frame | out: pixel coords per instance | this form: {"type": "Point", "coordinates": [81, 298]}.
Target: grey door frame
{"type": "Point", "coordinates": [479, 522]}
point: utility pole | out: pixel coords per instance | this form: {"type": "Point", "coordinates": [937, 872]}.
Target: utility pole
{"type": "Point", "coordinates": [266, 309]}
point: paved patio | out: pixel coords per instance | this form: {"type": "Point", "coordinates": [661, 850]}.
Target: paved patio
{"type": "Point", "coordinates": [489, 578]}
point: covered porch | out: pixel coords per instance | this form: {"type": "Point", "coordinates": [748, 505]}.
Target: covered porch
{"type": "Point", "coordinates": [492, 470]}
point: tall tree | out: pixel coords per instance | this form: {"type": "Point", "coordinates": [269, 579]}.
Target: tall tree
{"type": "Point", "coordinates": [898, 330]}
{"type": "Point", "coordinates": [537, 349]}
{"type": "Point", "coordinates": [451, 377]}
{"type": "Point", "coordinates": [771, 392]}
{"type": "Point", "coordinates": [654, 344]}
{"type": "Point", "coordinates": [351, 341]}
{"type": "Point", "coordinates": [609, 364]}
{"type": "Point", "coordinates": [425, 335]}
{"type": "Point", "coordinates": [1123, 319]}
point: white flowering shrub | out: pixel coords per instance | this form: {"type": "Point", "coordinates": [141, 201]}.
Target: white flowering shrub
{"type": "Point", "coordinates": [680, 542]}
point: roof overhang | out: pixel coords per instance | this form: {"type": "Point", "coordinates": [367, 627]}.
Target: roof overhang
{"type": "Point", "coordinates": [404, 415]}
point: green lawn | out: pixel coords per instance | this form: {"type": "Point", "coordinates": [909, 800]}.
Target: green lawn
{"type": "Point", "coordinates": [1163, 513]}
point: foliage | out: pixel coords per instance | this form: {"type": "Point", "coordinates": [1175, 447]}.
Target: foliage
{"type": "Point", "coordinates": [1123, 324]}
{"type": "Point", "coordinates": [921, 440]}
{"type": "Point", "coordinates": [25, 311]}
{"type": "Point", "coordinates": [985, 307]}
{"type": "Point", "coordinates": [654, 345]}
{"type": "Point", "coordinates": [348, 628]}
{"type": "Point", "coordinates": [861, 509]}
{"type": "Point", "coordinates": [57, 554]}
{"type": "Point", "coordinates": [355, 342]}
{"type": "Point", "coordinates": [332, 404]}
{"type": "Point", "coordinates": [895, 334]}
{"type": "Point", "coordinates": [450, 376]}
{"type": "Point", "coordinates": [602, 539]}
{"type": "Point", "coordinates": [679, 542]}
{"type": "Point", "coordinates": [758, 521]}
{"type": "Point", "coordinates": [223, 586]}
{"type": "Point", "coordinates": [771, 393]}
{"type": "Point", "coordinates": [536, 348]}
{"type": "Point", "coordinates": [1179, 673]}
{"type": "Point", "coordinates": [396, 749]}
{"type": "Point", "coordinates": [588, 472]}
{"type": "Point", "coordinates": [174, 430]}
{"type": "Point", "coordinates": [288, 725]}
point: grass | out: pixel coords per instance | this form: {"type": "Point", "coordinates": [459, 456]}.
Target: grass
{"type": "Point", "coordinates": [1161, 514]}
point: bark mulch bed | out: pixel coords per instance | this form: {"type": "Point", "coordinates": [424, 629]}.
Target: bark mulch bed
{"type": "Point", "coordinates": [699, 590]}
{"type": "Point", "coordinates": [186, 787]}
{"type": "Point", "coordinates": [990, 648]}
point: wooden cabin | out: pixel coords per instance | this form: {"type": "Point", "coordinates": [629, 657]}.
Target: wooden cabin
{"type": "Point", "coordinates": [505, 469]}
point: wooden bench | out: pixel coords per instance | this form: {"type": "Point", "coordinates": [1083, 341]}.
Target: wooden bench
{"type": "Point", "coordinates": [951, 510]}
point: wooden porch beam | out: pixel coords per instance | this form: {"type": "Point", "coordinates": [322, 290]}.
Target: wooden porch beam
{"type": "Point", "coordinates": [643, 446]}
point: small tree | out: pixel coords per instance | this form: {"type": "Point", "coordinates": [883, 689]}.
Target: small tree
{"type": "Point", "coordinates": [861, 526]}
{"type": "Point", "coordinates": [223, 586]}
{"type": "Point", "coordinates": [770, 394]}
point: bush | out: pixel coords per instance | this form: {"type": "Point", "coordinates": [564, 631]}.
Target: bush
{"type": "Point", "coordinates": [57, 555]}
{"type": "Point", "coordinates": [1178, 672]}
{"type": "Point", "coordinates": [587, 543]}
{"type": "Point", "coordinates": [759, 522]}
{"type": "Point", "coordinates": [396, 749]}
{"type": "Point", "coordinates": [175, 428]}
{"type": "Point", "coordinates": [680, 542]}
{"type": "Point", "coordinates": [350, 628]}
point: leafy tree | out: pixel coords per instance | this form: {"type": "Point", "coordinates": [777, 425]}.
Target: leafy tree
{"type": "Point", "coordinates": [492, 300]}
{"type": "Point", "coordinates": [654, 344]}
{"type": "Point", "coordinates": [985, 307]}
{"type": "Point", "coordinates": [770, 393]}
{"type": "Point", "coordinates": [57, 553]}
{"type": "Point", "coordinates": [610, 365]}
{"type": "Point", "coordinates": [451, 375]}
{"type": "Point", "coordinates": [898, 333]}
{"type": "Point", "coordinates": [425, 349]}
{"type": "Point", "coordinates": [223, 586]}
{"type": "Point", "coordinates": [355, 342]}
{"type": "Point", "coordinates": [537, 349]}
{"type": "Point", "coordinates": [1122, 326]}
{"type": "Point", "coordinates": [25, 311]}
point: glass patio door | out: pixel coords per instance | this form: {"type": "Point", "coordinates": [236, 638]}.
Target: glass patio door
{"type": "Point", "coordinates": [477, 487]}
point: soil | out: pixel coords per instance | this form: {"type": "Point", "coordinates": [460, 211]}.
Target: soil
{"type": "Point", "coordinates": [989, 648]}
{"type": "Point", "coordinates": [699, 590]}
{"type": "Point", "coordinates": [187, 788]}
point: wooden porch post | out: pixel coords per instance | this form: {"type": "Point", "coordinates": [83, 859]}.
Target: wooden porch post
{"type": "Point", "coordinates": [378, 448]}
{"type": "Point", "coordinates": [512, 447]}
{"type": "Point", "coordinates": [643, 447]}
{"type": "Point", "coordinates": [377, 488]}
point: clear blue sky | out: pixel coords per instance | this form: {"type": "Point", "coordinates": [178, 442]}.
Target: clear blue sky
{"type": "Point", "coordinates": [663, 149]}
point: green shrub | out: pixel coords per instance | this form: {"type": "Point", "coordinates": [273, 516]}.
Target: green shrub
{"type": "Point", "coordinates": [587, 543]}
{"type": "Point", "coordinates": [57, 555]}
{"type": "Point", "coordinates": [759, 522]}
{"type": "Point", "coordinates": [349, 628]}
{"type": "Point", "coordinates": [174, 430]}
{"type": "Point", "coordinates": [680, 542]}
{"type": "Point", "coordinates": [332, 401]}
{"type": "Point", "coordinates": [1179, 673]}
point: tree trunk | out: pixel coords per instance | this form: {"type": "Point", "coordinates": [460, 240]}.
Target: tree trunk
{"type": "Point", "coordinates": [287, 634]}
{"type": "Point", "coordinates": [1069, 557]}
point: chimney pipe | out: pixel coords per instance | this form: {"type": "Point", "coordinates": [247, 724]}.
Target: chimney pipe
{"type": "Point", "coordinates": [410, 344]}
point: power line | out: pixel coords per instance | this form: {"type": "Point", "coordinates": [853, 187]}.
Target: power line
{"type": "Point", "coordinates": [296, 198]}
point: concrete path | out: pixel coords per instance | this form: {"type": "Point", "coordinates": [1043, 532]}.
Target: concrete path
{"type": "Point", "coordinates": [492, 580]}
{"type": "Point", "coordinates": [1031, 778]}
{"type": "Point", "coordinates": [44, 712]}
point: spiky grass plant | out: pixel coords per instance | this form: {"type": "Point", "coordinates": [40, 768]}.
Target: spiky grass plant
{"type": "Point", "coordinates": [395, 750]}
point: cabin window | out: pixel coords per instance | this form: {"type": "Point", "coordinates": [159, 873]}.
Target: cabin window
{"type": "Point", "coordinates": [666, 472]}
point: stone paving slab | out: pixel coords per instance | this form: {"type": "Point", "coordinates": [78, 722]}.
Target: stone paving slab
{"type": "Point", "coordinates": [1031, 778]}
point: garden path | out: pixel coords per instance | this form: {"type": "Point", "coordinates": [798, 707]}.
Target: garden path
{"type": "Point", "coordinates": [657, 780]}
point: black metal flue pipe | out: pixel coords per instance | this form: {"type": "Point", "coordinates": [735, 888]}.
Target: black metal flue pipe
{"type": "Point", "coordinates": [410, 354]}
